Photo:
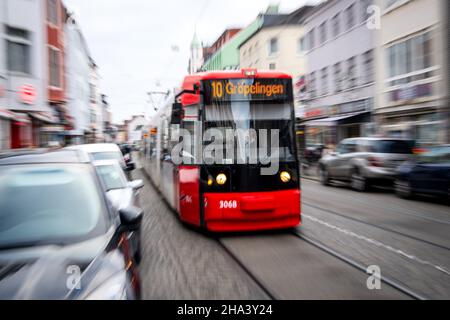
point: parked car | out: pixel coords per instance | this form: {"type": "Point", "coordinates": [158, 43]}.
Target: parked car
{"type": "Point", "coordinates": [428, 173]}
{"type": "Point", "coordinates": [363, 161]}
{"type": "Point", "coordinates": [59, 237]}
{"type": "Point", "coordinates": [313, 153]}
{"type": "Point", "coordinates": [122, 194]}
{"type": "Point", "coordinates": [106, 151]}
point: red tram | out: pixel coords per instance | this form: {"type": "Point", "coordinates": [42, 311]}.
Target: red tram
{"type": "Point", "coordinates": [223, 152]}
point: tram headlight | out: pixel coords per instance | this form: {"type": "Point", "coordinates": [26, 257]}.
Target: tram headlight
{"type": "Point", "coordinates": [285, 176]}
{"type": "Point", "coordinates": [210, 181]}
{"type": "Point", "coordinates": [221, 179]}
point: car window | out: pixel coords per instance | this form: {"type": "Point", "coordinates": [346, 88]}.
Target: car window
{"type": "Point", "coordinates": [437, 155]}
{"type": "Point", "coordinates": [108, 156]}
{"type": "Point", "coordinates": [112, 177]}
{"type": "Point", "coordinates": [392, 146]}
{"type": "Point", "coordinates": [49, 203]}
{"type": "Point", "coordinates": [352, 146]}
{"type": "Point", "coordinates": [342, 147]}
{"type": "Point", "coordinates": [346, 146]}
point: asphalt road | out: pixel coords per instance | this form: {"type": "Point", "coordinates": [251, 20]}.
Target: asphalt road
{"type": "Point", "coordinates": [343, 232]}
{"type": "Point", "coordinates": [408, 239]}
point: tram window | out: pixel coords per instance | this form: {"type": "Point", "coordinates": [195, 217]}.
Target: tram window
{"type": "Point", "coordinates": [253, 115]}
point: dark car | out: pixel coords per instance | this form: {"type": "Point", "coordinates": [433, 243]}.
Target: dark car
{"type": "Point", "coordinates": [429, 173]}
{"type": "Point", "coordinates": [60, 238]}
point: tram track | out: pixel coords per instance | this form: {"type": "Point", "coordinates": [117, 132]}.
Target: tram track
{"type": "Point", "coordinates": [233, 252]}
{"type": "Point", "coordinates": [258, 282]}
{"type": "Point", "coordinates": [344, 216]}
{"type": "Point", "coordinates": [393, 283]}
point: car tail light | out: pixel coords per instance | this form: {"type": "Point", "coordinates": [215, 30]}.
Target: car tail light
{"type": "Point", "coordinates": [374, 162]}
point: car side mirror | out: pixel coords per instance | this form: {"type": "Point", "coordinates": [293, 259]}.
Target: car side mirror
{"type": "Point", "coordinates": [131, 218]}
{"type": "Point", "coordinates": [177, 111]}
{"type": "Point", "coordinates": [136, 184]}
{"type": "Point", "coordinates": [131, 166]}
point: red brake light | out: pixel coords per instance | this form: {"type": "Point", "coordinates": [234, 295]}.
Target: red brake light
{"type": "Point", "coordinates": [374, 162]}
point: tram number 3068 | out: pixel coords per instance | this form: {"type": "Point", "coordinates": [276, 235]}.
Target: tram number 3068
{"type": "Point", "coordinates": [232, 204]}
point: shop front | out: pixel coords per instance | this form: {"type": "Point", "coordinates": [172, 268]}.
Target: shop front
{"type": "Point", "coordinates": [426, 129]}
{"type": "Point", "coordinates": [21, 131]}
{"type": "Point", "coordinates": [327, 126]}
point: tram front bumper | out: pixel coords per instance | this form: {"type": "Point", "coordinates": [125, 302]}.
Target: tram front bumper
{"type": "Point", "coordinates": [228, 212]}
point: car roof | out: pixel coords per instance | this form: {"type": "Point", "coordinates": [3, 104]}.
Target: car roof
{"type": "Point", "coordinates": [98, 147]}
{"type": "Point", "coordinates": [43, 156]}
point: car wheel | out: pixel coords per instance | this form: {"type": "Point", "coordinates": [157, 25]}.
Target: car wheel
{"type": "Point", "coordinates": [358, 181]}
{"type": "Point", "coordinates": [403, 189]}
{"type": "Point", "coordinates": [324, 176]}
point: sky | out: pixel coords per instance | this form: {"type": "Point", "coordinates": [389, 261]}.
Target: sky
{"type": "Point", "coordinates": [143, 45]}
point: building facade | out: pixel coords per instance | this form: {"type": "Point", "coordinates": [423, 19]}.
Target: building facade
{"type": "Point", "coordinates": [226, 36]}
{"type": "Point", "coordinates": [339, 49]}
{"type": "Point", "coordinates": [412, 81]}
{"type": "Point", "coordinates": [227, 56]}
{"type": "Point", "coordinates": [109, 131]}
{"type": "Point", "coordinates": [277, 44]}
{"type": "Point", "coordinates": [23, 72]}
{"type": "Point", "coordinates": [135, 128]}
{"type": "Point", "coordinates": [53, 129]}
{"type": "Point", "coordinates": [79, 76]}
{"type": "Point", "coordinates": [96, 107]}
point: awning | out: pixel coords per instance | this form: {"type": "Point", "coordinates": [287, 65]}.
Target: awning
{"type": "Point", "coordinates": [6, 114]}
{"type": "Point", "coordinates": [19, 117]}
{"type": "Point", "coordinates": [44, 117]}
{"type": "Point", "coordinates": [330, 122]}
{"type": "Point", "coordinates": [53, 129]}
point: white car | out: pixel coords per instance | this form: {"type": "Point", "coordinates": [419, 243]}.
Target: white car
{"type": "Point", "coordinates": [121, 193]}
{"type": "Point", "coordinates": [105, 151]}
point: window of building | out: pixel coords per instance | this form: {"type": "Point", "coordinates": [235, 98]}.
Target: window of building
{"type": "Point", "coordinates": [52, 11]}
{"type": "Point", "coordinates": [323, 32]}
{"type": "Point", "coordinates": [272, 66]}
{"type": "Point", "coordinates": [408, 56]}
{"type": "Point", "coordinates": [92, 92]}
{"type": "Point", "coordinates": [273, 46]}
{"type": "Point", "coordinates": [311, 39]}
{"type": "Point", "coordinates": [369, 67]}
{"type": "Point", "coordinates": [324, 81]}
{"type": "Point", "coordinates": [365, 4]}
{"type": "Point", "coordinates": [301, 45]}
{"type": "Point", "coordinates": [336, 22]}
{"type": "Point", "coordinates": [350, 16]}
{"type": "Point", "coordinates": [351, 72]}
{"type": "Point", "coordinates": [337, 77]}
{"type": "Point", "coordinates": [18, 46]}
{"type": "Point", "coordinates": [312, 85]}
{"type": "Point", "coordinates": [55, 67]}
{"type": "Point", "coordinates": [391, 3]}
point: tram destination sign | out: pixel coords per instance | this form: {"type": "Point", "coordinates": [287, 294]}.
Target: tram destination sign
{"type": "Point", "coordinates": [247, 89]}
